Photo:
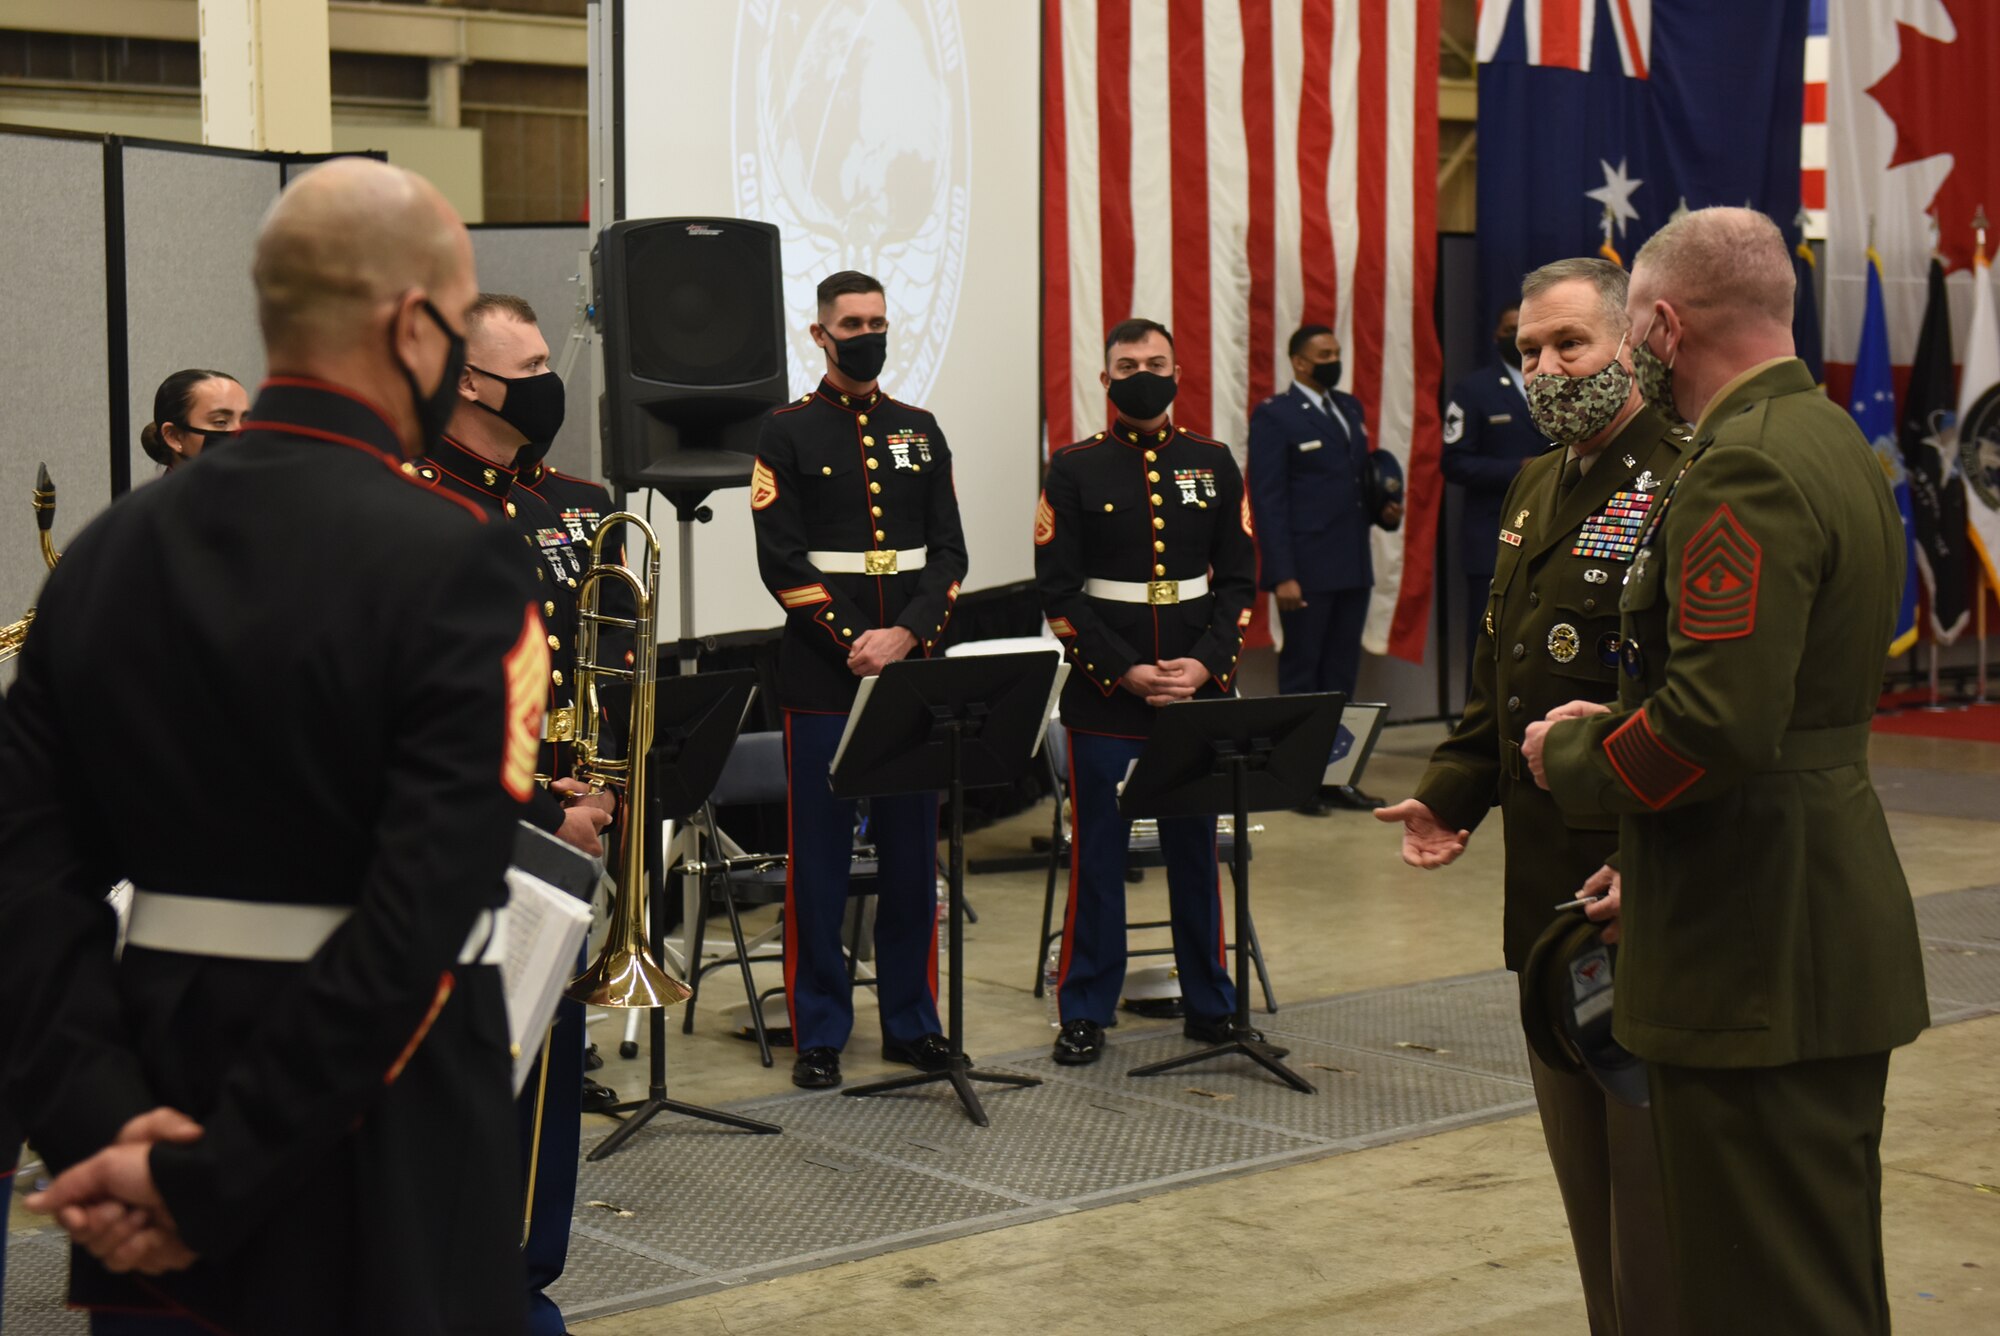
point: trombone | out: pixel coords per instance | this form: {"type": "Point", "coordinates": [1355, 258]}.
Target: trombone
{"type": "Point", "coordinates": [624, 973]}
{"type": "Point", "coordinates": [15, 634]}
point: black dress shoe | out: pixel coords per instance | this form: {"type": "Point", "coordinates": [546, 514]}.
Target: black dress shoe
{"type": "Point", "coordinates": [591, 1062]}
{"type": "Point", "coordinates": [1314, 806]}
{"type": "Point", "coordinates": [598, 1097]}
{"type": "Point", "coordinates": [817, 1069]}
{"type": "Point", "coordinates": [1222, 1029]}
{"type": "Point", "coordinates": [1354, 800]}
{"type": "Point", "coordinates": [1080, 1044]}
{"type": "Point", "coordinates": [928, 1054]}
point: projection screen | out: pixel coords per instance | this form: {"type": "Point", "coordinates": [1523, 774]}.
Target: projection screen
{"type": "Point", "coordinates": [898, 137]}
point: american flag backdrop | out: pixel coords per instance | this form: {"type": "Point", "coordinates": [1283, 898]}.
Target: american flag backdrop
{"type": "Point", "coordinates": [1234, 169]}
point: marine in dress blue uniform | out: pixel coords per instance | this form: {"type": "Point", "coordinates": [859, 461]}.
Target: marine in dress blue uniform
{"type": "Point", "coordinates": [1145, 563]}
{"type": "Point", "coordinates": [1488, 436]}
{"type": "Point", "coordinates": [859, 540]}
{"type": "Point", "coordinates": [509, 396]}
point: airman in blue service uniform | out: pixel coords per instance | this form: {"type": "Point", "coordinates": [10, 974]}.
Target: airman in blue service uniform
{"type": "Point", "coordinates": [511, 403]}
{"type": "Point", "coordinates": [859, 540]}
{"type": "Point", "coordinates": [1146, 566]}
{"type": "Point", "coordinates": [1308, 450]}
{"type": "Point", "coordinates": [1489, 437]}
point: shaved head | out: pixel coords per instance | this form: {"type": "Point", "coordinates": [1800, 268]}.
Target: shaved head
{"type": "Point", "coordinates": [341, 244]}
{"type": "Point", "coordinates": [1713, 263]}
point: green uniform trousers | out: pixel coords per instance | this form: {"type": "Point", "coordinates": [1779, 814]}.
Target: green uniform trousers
{"type": "Point", "coordinates": [1773, 1180]}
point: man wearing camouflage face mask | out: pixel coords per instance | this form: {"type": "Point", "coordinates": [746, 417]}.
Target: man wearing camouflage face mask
{"type": "Point", "coordinates": [1568, 528]}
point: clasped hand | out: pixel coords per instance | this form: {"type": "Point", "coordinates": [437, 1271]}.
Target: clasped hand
{"type": "Point", "coordinates": [110, 1206]}
{"type": "Point", "coordinates": [876, 649]}
{"type": "Point", "coordinates": [1165, 682]}
{"type": "Point", "coordinates": [1536, 740]}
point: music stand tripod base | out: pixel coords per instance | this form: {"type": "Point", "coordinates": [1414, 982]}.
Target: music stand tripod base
{"type": "Point", "coordinates": [945, 724]}
{"type": "Point", "coordinates": [1208, 756]}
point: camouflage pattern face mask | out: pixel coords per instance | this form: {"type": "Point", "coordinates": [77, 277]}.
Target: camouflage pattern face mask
{"type": "Point", "coordinates": [1656, 378]}
{"type": "Point", "coordinates": [1569, 409]}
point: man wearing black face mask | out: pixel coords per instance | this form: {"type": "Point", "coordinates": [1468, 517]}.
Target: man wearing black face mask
{"type": "Point", "coordinates": [1308, 447]}
{"type": "Point", "coordinates": [859, 541]}
{"type": "Point", "coordinates": [1146, 569]}
{"type": "Point", "coordinates": [1489, 436]}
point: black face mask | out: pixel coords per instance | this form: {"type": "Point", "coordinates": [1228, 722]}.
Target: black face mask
{"type": "Point", "coordinates": [210, 438]}
{"type": "Point", "coordinates": [1143, 395]}
{"type": "Point", "coordinates": [1509, 351]}
{"type": "Point", "coordinates": [533, 406]}
{"type": "Point", "coordinates": [434, 406]}
{"type": "Point", "coordinates": [860, 356]}
{"type": "Point", "coordinates": [1326, 375]}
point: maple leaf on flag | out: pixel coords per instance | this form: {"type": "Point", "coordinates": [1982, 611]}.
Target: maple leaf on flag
{"type": "Point", "coordinates": [1936, 94]}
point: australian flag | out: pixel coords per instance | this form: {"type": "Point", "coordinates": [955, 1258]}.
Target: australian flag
{"type": "Point", "coordinates": [1600, 119]}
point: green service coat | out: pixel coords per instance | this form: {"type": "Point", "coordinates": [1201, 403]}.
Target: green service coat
{"type": "Point", "coordinates": [1550, 635]}
{"type": "Point", "coordinates": [1766, 920]}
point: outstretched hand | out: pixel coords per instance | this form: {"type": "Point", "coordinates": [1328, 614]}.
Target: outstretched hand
{"type": "Point", "coordinates": [1427, 842]}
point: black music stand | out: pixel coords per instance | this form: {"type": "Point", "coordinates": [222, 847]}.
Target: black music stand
{"type": "Point", "coordinates": [1238, 756]}
{"type": "Point", "coordinates": [695, 723]}
{"type": "Point", "coordinates": [949, 724]}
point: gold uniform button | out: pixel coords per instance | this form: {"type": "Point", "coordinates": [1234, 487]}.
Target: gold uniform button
{"type": "Point", "coordinates": [874, 463]}
{"type": "Point", "coordinates": [491, 477]}
{"type": "Point", "coordinates": [1159, 570]}
{"type": "Point", "coordinates": [1163, 434]}
{"type": "Point", "coordinates": [556, 677]}
{"type": "Point", "coordinates": [863, 419]}
{"type": "Point", "coordinates": [510, 510]}
{"type": "Point", "coordinates": [1108, 507]}
{"type": "Point", "coordinates": [1159, 546]}
{"type": "Point", "coordinates": [805, 398]}
{"type": "Point", "coordinates": [1152, 477]}
{"type": "Point", "coordinates": [1151, 456]}
{"type": "Point", "coordinates": [879, 535]}
{"type": "Point", "coordinates": [827, 471]}
{"type": "Point", "coordinates": [1156, 499]}
{"type": "Point", "coordinates": [876, 511]}
{"type": "Point", "coordinates": [845, 631]}
{"type": "Point", "coordinates": [875, 487]}
{"type": "Point", "coordinates": [554, 643]}
{"type": "Point", "coordinates": [409, 468]}
{"type": "Point", "coordinates": [572, 584]}
{"type": "Point", "coordinates": [843, 398]}
{"type": "Point", "coordinates": [829, 616]}
{"type": "Point", "coordinates": [916, 468]}
{"type": "Point", "coordinates": [868, 440]}
{"type": "Point", "coordinates": [549, 609]}
{"type": "Point", "coordinates": [1159, 522]}
{"type": "Point", "coordinates": [539, 575]}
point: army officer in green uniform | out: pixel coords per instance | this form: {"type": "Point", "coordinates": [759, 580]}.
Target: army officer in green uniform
{"type": "Point", "coordinates": [1770, 957]}
{"type": "Point", "coordinates": [1569, 527]}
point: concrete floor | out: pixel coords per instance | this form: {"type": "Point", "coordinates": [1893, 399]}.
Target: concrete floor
{"type": "Point", "coordinates": [1456, 1233]}
{"type": "Point", "coordinates": [1460, 1232]}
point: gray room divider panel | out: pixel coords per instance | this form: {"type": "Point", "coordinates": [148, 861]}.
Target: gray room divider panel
{"type": "Point", "coordinates": [541, 264]}
{"type": "Point", "coordinates": [52, 348]}
{"type": "Point", "coordinates": [191, 221]}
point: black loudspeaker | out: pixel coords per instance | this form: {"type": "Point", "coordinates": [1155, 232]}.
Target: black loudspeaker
{"type": "Point", "coordinates": [692, 315]}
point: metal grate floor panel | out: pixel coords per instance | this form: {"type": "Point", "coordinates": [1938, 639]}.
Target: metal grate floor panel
{"type": "Point", "coordinates": [694, 1208]}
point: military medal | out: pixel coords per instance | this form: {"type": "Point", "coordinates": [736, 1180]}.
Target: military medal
{"type": "Point", "coordinates": [1608, 646]}
{"type": "Point", "coordinates": [1645, 482]}
{"type": "Point", "coordinates": [1564, 642]}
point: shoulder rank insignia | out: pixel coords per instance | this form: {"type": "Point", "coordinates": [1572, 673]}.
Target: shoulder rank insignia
{"type": "Point", "coordinates": [1520, 519]}
{"type": "Point", "coordinates": [1045, 522]}
{"type": "Point", "coordinates": [763, 486]}
{"type": "Point", "coordinates": [1719, 571]}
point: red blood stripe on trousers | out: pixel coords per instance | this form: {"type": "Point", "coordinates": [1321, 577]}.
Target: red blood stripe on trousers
{"type": "Point", "coordinates": [1114, 156]}
{"type": "Point", "coordinates": [1423, 482]}
{"type": "Point", "coordinates": [1056, 389]}
{"type": "Point", "coordinates": [1260, 248]}
{"type": "Point", "coordinates": [791, 904]}
{"type": "Point", "coordinates": [1187, 125]}
{"type": "Point", "coordinates": [1316, 259]}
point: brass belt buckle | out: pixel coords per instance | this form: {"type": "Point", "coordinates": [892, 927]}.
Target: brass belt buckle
{"type": "Point", "coordinates": [1163, 591]}
{"type": "Point", "coordinates": [561, 725]}
{"type": "Point", "coordinates": [879, 563]}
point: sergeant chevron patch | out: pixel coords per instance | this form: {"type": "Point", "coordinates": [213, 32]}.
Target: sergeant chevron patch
{"type": "Point", "coordinates": [1045, 522]}
{"type": "Point", "coordinates": [763, 486]}
{"type": "Point", "coordinates": [1719, 571]}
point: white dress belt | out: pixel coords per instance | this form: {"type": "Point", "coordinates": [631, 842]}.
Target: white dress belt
{"type": "Point", "coordinates": [1147, 591]}
{"type": "Point", "coordinates": [200, 925]}
{"type": "Point", "coordinates": [887, 561]}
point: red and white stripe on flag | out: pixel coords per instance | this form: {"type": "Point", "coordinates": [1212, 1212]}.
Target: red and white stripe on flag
{"type": "Point", "coordinates": [1235, 169]}
{"type": "Point", "coordinates": [1563, 33]}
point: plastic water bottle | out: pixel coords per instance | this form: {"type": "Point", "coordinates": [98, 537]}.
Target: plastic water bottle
{"type": "Point", "coordinates": [1051, 974]}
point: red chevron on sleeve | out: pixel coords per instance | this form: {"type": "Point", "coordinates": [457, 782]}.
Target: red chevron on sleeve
{"type": "Point", "coordinates": [1719, 571]}
{"type": "Point", "coordinates": [1654, 772]}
